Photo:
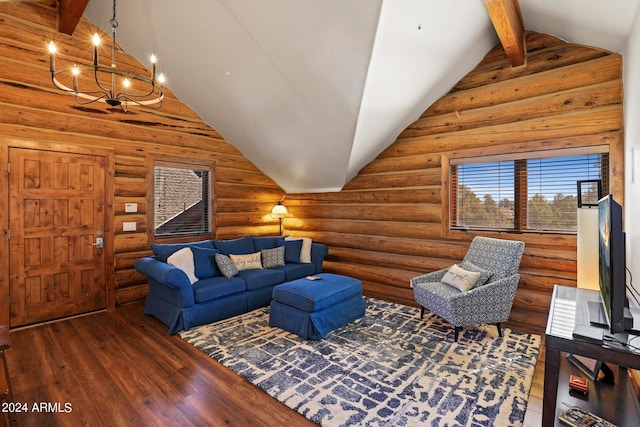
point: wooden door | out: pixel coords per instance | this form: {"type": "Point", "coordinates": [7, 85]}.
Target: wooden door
{"type": "Point", "coordinates": [56, 215]}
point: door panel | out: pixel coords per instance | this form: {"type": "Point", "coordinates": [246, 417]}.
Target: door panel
{"type": "Point", "coordinates": [56, 212]}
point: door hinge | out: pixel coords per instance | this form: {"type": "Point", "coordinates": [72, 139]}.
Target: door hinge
{"type": "Point", "coordinates": [9, 167]}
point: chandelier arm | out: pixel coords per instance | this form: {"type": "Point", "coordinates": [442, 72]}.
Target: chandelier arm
{"type": "Point", "coordinates": [84, 95]}
{"type": "Point", "coordinates": [150, 82]}
{"type": "Point", "coordinates": [149, 103]}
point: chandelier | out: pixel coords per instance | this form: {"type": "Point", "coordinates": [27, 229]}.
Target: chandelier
{"type": "Point", "coordinates": [113, 86]}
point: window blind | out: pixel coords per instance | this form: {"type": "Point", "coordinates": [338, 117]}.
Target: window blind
{"type": "Point", "coordinates": [181, 201]}
{"type": "Point", "coordinates": [537, 193]}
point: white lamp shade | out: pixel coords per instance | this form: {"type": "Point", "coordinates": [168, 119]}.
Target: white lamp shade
{"type": "Point", "coordinates": [279, 211]}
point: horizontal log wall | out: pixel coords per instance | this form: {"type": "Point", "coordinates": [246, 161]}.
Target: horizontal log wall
{"type": "Point", "coordinates": [32, 110]}
{"type": "Point", "coordinates": [389, 223]}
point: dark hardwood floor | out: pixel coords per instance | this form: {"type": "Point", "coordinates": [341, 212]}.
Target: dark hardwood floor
{"type": "Point", "coordinates": [122, 368]}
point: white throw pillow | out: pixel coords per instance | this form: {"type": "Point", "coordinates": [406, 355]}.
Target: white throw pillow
{"type": "Point", "coordinates": [305, 252]}
{"type": "Point", "coordinates": [459, 278]}
{"type": "Point", "coordinates": [183, 259]}
{"type": "Point", "coordinates": [247, 262]}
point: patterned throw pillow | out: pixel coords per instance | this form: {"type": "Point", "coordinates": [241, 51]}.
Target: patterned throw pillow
{"type": "Point", "coordinates": [272, 258]}
{"type": "Point", "coordinates": [459, 278]}
{"type": "Point", "coordinates": [225, 266]}
{"type": "Point", "coordinates": [183, 259]}
{"type": "Point", "coordinates": [485, 275]}
{"type": "Point", "coordinates": [247, 261]}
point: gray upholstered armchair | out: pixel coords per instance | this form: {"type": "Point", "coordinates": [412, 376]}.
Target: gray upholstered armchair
{"type": "Point", "coordinates": [497, 261]}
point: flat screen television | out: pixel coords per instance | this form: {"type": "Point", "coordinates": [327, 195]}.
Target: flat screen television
{"type": "Point", "coordinates": [613, 289]}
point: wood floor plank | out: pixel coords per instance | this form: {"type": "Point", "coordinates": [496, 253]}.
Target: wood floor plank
{"type": "Point", "coordinates": [122, 368]}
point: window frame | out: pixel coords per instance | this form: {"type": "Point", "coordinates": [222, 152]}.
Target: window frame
{"type": "Point", "coordinates": [185, 163]}
{"type": "Point", "coordinates": [535, 150]}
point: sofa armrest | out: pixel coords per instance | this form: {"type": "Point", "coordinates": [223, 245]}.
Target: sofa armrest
{"type": "Point", "coordinates": [434, 276]}
{"type": "Point", "coordinates": [318, 253]}
{"type": "Point", "coordinates": [494, 300]}
{"type": "Point", "coordinates": [165, 275]}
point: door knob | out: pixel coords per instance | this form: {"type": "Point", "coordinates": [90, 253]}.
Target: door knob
{"type": "Point", "coordinates": [99, 244]}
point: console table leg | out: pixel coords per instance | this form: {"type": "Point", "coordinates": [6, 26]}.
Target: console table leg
{"type": "Point", "coordinates": [551, 374]}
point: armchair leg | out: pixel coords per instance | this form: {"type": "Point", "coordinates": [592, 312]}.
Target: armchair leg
{"type": "Point", "coordinates": [499, 329]}
{"type": "Point", "coordinates": [456, 331]}
{"type": "Point", "coordinates": [421, 312]}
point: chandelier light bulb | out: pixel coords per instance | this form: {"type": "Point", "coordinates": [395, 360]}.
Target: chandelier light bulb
{"type": "Point", "coordinates": [75, 70]}
{"type": "Point", "coordinates": [161, 79]}
{"type": "Point", "coordinates": [96, 39]}
{"type": "Point", "coordinates": [153, 59]}
{"type": "Point", "coordinates": [126, 83]}
{"type": "Point", "coordinates": [52, 48]}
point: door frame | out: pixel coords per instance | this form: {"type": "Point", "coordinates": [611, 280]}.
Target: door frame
{"type": "Point", "coordinates": [6, 143]}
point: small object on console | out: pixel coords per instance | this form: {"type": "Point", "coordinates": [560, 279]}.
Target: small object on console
{"type": "Point", "coordinates": [578, 383]}
{"type": "Point", "coordinates": [578, 417]}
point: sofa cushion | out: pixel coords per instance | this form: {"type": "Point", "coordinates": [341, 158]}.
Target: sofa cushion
{"type": "Point", "coordinates": [216, 287]}
{"type": "Point", "coordinates": [272, 258]}
{"type": "Point", "coordinates": [292, 250]}
{"type": "Point", "coordinates": [305, 251]}
{"type": "Point", "coordinates": [296, 271]}
{"type": "Point", "coordinates": [258, 279]}
{"type": "Point", "coordinates": [226, 266]}
{"type": "Point", "coordinates": [162, 251]}
{"type": "Point", "coordinates": [266, 242]}
{"type": "Point", "coordinates": [247, 261]}
{"type": "Point", "coordinates": [183, 259]}
{"type": "Point", "coordinates": [243, 245]}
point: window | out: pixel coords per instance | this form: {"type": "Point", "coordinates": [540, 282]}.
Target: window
{"type": "Point", "coordinates": [181, 200]}
{"type": "Point", "coordinates": [525, 192]}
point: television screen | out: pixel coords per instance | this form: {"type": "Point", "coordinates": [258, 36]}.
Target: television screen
{"type": "Point", "coordinates": [612, 263]}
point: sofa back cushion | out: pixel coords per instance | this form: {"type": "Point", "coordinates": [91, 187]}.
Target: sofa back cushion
{"type": "Point", "coordinates": [162, 251]}
{"type": "Point", "coordinates": [266, 242]}
{"type": "Point", "coordinates": [243, 245]}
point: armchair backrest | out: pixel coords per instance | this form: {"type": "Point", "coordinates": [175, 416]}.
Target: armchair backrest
{"type": "Point", "coordinates": [502, 257]}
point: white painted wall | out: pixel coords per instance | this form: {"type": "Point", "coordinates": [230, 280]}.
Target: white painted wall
{"type": "Point", "coordinates": [631, 78]}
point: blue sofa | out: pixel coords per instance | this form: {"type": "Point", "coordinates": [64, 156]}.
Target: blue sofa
{"type": "Point", "coordinates": [182, 305]}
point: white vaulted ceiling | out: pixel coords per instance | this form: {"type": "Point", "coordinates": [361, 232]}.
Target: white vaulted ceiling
{"type": "Point", "coordinates": [312, 90]}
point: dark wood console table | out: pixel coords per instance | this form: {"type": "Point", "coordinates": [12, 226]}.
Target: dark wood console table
{"type": "Point", "coordinates": [568, 307]}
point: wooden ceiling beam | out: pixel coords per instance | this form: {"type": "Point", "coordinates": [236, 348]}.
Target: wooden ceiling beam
{"type": "Point", "coordinates": [507, 20]}
{"type": "Point", "coordinates": [69, 14]}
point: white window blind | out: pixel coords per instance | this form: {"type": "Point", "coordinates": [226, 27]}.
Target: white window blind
{"type": "Point", "coordinates": [515, 192]}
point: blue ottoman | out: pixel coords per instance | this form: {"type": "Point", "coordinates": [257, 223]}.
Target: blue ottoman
{"type": "Point", "coordinates": [312, 309]}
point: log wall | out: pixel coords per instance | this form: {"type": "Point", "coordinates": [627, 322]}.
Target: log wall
{"type": "Point", "coordinates": [389, 223]}
{"type": "Point", "coordinates": [34, 114]}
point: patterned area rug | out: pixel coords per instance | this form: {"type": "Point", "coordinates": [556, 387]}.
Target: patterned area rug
{"type": "Point", "coordinates": [387, 369]}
